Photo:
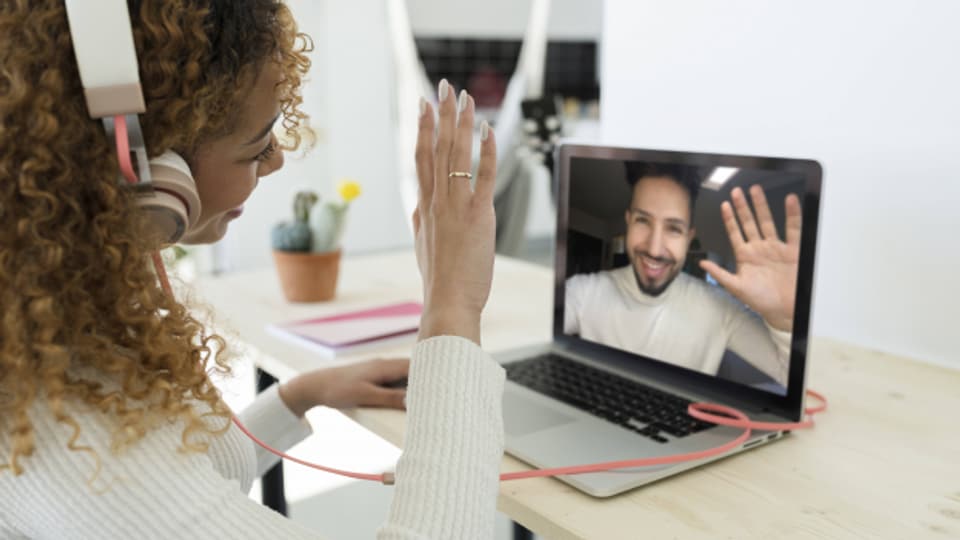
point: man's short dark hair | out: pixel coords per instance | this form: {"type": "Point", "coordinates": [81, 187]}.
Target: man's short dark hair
{"type": "Point", "coordinates": [685, 175]}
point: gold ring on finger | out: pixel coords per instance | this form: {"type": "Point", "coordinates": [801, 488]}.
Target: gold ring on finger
{"type": "Point", "coordinates": [459, 174]}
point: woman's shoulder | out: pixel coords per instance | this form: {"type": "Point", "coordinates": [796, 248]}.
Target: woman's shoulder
{"type": "Point", "coordinates": [75, 475]}
{"type": "Point", "coordinates": [59, 456]}
{"type": "Point", "coordinates": [85, 445]}
{"type": "Point", "coordinates": [68, 430]}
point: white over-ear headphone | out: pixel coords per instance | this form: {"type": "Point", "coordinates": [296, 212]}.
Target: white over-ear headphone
{"type": "Point", "coordinates": [103, 43]}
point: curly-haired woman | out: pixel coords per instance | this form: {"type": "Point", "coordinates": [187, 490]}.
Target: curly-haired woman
{"type": "Point", "coordinates": [109, 424]}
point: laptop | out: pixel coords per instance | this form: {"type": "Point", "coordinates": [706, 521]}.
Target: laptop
{"type": "Point", "coordinates": [675, 282]}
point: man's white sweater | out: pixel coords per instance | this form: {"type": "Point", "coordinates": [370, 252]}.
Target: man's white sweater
{"type": "Point", "coordinates": [446, 479]}
{"type": "Point", "coordinates": [690, 324]}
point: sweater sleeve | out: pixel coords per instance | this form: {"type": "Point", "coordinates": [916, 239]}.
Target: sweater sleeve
{"type": "Point", "coordinates": [150, 491]}
{"type": "Point", "coordinates": [757, 342]}
{"type": "Point", "coordinates": [273, 423]}
{"type": "Point", "coordinates": [447, 478]}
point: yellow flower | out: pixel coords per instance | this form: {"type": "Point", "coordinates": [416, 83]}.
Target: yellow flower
{"type": "Point", "coordinates": [348, 189]}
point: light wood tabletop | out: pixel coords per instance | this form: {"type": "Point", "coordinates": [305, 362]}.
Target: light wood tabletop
{"type": "Point", "coordinates": [882, 462]}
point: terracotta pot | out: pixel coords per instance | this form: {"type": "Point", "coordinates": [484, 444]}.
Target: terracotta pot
{"type": "Point", "coordinates": [308, 277]}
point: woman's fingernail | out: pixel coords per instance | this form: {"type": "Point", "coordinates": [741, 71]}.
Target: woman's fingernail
{"type": "Point", "coordinates": [462, 102]}
{"type": "Point", "coordinates": [423, 106]}
{"type": "Point", "coordinates": [444, 89]}
{"type": "Point", "coordinates": [484, 130]}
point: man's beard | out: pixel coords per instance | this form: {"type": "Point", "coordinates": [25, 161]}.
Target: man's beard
{"type": "Point", "coordinates": [657, 290]}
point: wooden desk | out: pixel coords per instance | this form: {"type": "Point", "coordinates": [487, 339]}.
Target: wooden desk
{"type": "Point", "coordinates": [883, 462]}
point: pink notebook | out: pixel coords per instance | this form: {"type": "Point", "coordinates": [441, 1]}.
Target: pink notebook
{"type": "Point", "coordinates": [354, 330]}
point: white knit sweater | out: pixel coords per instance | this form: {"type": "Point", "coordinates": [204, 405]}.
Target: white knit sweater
{"type": "Point", "coordinates": [446, 479]}
{"type": "Point", "coordinates": [690, 325]}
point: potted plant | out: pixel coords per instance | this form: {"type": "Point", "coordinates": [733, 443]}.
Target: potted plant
{"type": "Point", "coordinates": [307, 251]}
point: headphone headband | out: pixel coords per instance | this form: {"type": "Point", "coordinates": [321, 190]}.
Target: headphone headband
{"type": "Point", "coordinates": [111, 86]}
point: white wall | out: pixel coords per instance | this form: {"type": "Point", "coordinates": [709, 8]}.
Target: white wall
{"type": "Point", "coordinates": [359, 81]}
{"type": "Point", "coordinates": [869, 88]}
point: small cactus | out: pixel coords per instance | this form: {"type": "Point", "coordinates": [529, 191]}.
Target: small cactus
{"type": "Point", "coordinates": [296, 236]}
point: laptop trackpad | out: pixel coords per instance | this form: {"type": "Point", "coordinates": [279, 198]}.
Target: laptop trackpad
{"type": "Point", "coordinates": [522, 416]}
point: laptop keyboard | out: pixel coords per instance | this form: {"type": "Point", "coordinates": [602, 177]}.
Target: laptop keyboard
{"type": "Point", "coordinates": [637, 407]}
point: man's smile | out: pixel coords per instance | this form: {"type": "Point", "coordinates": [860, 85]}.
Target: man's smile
{"type": "Point", "coordinates": [654, 267]}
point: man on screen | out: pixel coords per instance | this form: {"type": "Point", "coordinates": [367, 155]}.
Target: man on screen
{"type": "Point", "coordinates": [651, 308]}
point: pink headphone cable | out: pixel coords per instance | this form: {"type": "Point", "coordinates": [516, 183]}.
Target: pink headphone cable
{"type": "Point", "coordinates": [702, 411]}
{"type": "Point", "coordinates": [123, 149]}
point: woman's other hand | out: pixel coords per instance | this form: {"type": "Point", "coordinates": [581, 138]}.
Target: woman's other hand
{"type": "Point", "coordinates": [354, 385]}
{"type": "Point", "coordinates": [454, 222]}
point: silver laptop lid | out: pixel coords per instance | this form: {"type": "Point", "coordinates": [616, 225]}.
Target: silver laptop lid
{"type": "Point", "coordinates": [692, 268]}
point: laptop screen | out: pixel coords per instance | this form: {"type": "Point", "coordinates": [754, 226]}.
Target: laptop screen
{"type": "Point", "coordinates": [690, 264]}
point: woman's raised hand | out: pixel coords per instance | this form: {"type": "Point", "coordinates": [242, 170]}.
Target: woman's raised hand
{"type": "Point", "coordinates": [454, 222]}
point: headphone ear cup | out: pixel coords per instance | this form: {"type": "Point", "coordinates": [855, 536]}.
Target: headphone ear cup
{"type": "Point", "coordinates": [174, 204]}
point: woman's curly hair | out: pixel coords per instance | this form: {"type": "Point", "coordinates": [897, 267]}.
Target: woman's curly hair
{"type": "Point", "coordinates": [76, 292]}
